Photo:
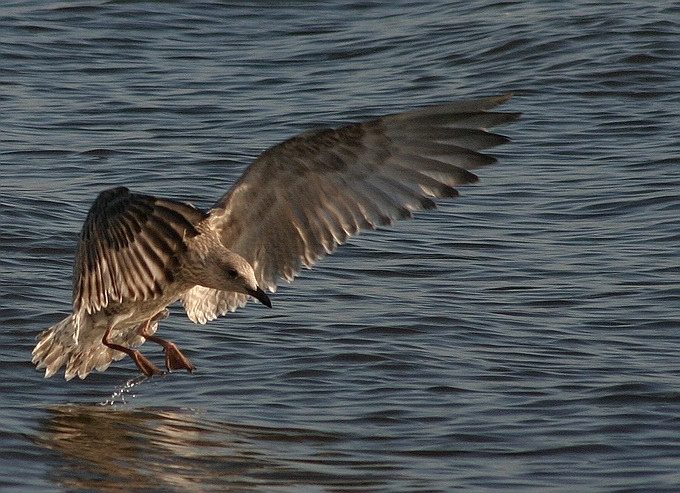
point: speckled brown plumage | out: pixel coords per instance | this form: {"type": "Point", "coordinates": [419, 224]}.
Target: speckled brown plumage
{"type": "Point", "coordinates": [296, 203]}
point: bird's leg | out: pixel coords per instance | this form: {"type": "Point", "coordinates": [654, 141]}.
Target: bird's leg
{"type": "Point", "coordinates": [144, 365]}
{"type": "Point", "coordinates": [174, 359]}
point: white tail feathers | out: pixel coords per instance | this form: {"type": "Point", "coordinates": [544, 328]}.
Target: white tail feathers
{"type": "Point", "coordinates": [77, 343]}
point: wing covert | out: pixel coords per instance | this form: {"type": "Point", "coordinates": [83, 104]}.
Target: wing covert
{"type": "Point", "coordinates": [302, 198]}
{"type": "Point", "coordinates": [129, 247]}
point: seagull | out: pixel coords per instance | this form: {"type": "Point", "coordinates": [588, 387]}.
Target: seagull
{"type": "Point", "coordinates": [137, 254]}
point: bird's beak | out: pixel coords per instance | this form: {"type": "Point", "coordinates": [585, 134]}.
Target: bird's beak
{"type": "Point", "coordinates": [260, 296]}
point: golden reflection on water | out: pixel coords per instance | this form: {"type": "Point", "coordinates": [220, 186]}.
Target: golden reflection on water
{"type": "Point", "coordinates": [114, 448]}
{"type": "Point", "coordinates": [111, 449]}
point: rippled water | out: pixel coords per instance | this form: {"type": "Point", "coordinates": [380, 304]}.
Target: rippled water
{"type": "Point", "coordinates": [525, 336]}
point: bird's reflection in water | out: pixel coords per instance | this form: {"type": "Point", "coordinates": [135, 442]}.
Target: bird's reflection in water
{"type": "Point", "coordinates": [108, 448]}
{"type": "Point", "coordinates": [111, 449]}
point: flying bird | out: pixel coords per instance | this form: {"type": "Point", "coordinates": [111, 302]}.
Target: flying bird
{"type": "Point", "coordinates": [295, 203]}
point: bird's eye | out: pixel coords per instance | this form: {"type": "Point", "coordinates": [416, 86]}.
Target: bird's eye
{"type": "Point", "coordinates": [232, 273]}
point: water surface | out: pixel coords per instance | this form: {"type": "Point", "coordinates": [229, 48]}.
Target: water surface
{"type": "Point", "coordinates": [525, 336]}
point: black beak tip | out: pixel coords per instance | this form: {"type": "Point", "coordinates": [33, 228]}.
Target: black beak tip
{"type": "Point", "coordinates": [261, 296]}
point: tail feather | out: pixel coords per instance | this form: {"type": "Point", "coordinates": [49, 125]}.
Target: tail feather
{"type": "Point", "coordinates": [55, 345]}
{"type": "Point", "coordinates": [77, 344]}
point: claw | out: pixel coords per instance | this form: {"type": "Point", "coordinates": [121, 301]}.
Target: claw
{"type": "Point", "coordinates": [144, 365]}
{"type": "Point", "coordinates": [175, 360]}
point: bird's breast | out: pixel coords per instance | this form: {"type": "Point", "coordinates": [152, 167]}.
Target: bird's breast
{"type": "Point", "coordinates": [132, 313]}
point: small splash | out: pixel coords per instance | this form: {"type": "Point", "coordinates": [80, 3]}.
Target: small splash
{"type": "Point", "coordinates": [119, 395]}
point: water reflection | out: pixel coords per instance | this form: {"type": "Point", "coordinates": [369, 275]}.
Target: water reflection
{"type": "Point", "coordinates": [109, 448]}
{"type": "Point", "coordinates": [120, 449]}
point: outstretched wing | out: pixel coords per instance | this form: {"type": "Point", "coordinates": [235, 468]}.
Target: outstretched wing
{"type": "Point", "coordinates": [302, 198]}
{"type": "Point", "coordinates": [129, 248]}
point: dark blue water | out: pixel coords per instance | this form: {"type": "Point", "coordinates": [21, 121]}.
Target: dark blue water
{"type": "Point", "coordinates": [525, 336]}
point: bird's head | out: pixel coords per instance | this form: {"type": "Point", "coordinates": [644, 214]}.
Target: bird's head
{"type": "Point", "coordinates": [238, 275]}
{"type": "Point", "coordinates": [228, 271]}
